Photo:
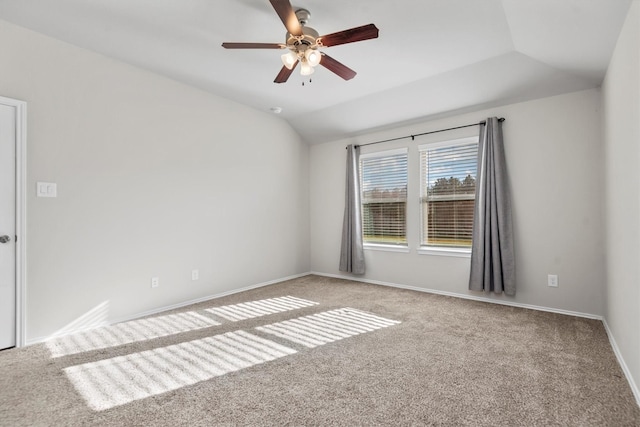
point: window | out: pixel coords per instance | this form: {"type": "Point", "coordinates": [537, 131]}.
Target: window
{"type": "Point", "coordinates": [448, 185]}
{"type": "Point", "coordinates": [384, 197]}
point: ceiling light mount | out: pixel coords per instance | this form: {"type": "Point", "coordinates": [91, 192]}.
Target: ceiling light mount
{"type": "Point", "coordinates": [303, 16]}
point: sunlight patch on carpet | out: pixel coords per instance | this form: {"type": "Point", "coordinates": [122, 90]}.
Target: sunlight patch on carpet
{"type": "Point", "coordinates": [128, 332]}
{"type": "Point", "coordinates": [329, 326]}
{"type": "Point", "coordinates": [162, 326]}
{"type": "Point", "coordinates": [252, 309]}
{"type": "Point", "coordinates": [120, 380]}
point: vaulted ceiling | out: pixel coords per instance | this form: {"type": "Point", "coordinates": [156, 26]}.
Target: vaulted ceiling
{"type": "Point", "coordinates": [432, 58]}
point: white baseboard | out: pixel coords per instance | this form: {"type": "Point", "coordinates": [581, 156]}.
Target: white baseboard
{"type": "Point", "coordinates": [621, 362]}
{"type": "Point", "coordinates": [207, 298]}
{"type": "Point", "coordinates": [463, 296]}
{"type": "Point", "coordinates": [169, 307]}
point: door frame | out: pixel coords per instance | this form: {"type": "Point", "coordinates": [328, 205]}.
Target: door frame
{"type": "Point", "coordinates": [21, 215]}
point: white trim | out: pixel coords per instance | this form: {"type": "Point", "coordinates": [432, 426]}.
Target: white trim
{"type": "Point", "coordinates": [442, 251]}
{"type": "Point", "coordinates": [385, 153]}
{"type": "Point", "coordinates": [448, 143]}
{"type": "Point", "coordinates": [463, 296]}
{"type": "Point", "coordinates": [21, 215]}
{"type": "Point", "coordinates": [174, 306]}
{"type": "Point", "coordinates": [621, 362]}
{"type": "Point", "coordinates": [204, 299]}
{"type": "Point", "coordinates": [385, 248]}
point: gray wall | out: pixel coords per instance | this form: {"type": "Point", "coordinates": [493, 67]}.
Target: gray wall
{"type": "Point", "coordinates": [154, 179]}
{"type": "Point", "coordinates": [554, 157]}
{"type": "Point", "coordinates": [621, 100]}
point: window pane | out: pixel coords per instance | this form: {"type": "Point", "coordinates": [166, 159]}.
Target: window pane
{"type": "Point", "coordinates": [384, 198]}
{"type": "Point", "coordinates": [448, 194]}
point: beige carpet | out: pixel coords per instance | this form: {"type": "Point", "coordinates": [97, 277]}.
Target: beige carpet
{"type": "Point", "coordinates": [320, 351]}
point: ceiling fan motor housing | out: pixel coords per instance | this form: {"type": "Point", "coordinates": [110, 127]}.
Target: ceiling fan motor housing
{"type": "Point", "coordinates": [308, 39]}
{"type": "Point", "coordinates": [301, 43]}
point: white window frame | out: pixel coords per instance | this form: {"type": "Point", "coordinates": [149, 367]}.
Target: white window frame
{"type": "Point", "coordinates": [440, 250]}
{"type": "Point", "coordinates": [381, 246]}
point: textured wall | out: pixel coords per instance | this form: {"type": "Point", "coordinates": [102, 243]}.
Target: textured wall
{"type": "Point", "coordinates": [554, 157]}
{"type": "Point", "coordinates": [154, 179]}
{"type": "Point", "coordinates": [621, 99]}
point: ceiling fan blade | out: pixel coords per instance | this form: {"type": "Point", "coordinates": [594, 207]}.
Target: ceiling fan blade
{"type": "Point", "coordinates": [287, 16]}
{"type": "Point", "coordinates": [253, 46]}
{"type": "Point", "coordinates": [337, 67]}
{"type": "Point", "coordinates": [357, 34]}
{"type": "Point", "coordinates": [284, 74]}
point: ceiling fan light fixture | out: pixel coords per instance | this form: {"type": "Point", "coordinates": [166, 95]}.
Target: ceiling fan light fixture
{"type": "Point", "coordinates": [306, 69]}
{"type": "Point", "coordinates": [313, 57]}
{"type": "Point", "coordinates": [289, 59]}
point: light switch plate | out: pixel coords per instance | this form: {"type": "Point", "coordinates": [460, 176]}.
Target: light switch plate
{"type": "Point", "coordinates": [47, 189]}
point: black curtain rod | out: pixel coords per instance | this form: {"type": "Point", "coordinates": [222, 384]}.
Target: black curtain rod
{"type": "Point", "coordinates": [413, 137]}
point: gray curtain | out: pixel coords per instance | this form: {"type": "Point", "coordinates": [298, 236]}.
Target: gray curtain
{"type": "Point", "coordinates": [492, 256]}
{"type": "Point", "coordinates": [352, 251]}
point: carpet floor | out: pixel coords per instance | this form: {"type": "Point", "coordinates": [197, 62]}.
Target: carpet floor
{"type": "Point", "coordinates": [323, 351]}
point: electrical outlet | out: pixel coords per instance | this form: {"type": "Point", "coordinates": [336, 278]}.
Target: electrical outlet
{"type": "Point", "coordinates": [155, 282]}
{"type": "Point", "coordinates": [195, 274]}
{"type": "Point", "coordinates": [552, 280]}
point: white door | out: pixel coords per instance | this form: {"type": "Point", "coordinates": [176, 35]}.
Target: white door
{"type": "Point", "coordinates": [7, 226]}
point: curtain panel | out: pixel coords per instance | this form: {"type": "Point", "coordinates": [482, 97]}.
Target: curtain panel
{"type": "Point", "coordinates": [492, 251]}
{"type": "Point", "coordinates": [352, 250]}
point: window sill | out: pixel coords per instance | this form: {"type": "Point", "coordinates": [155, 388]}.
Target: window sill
{"type": "Point", "coordinates": [386, 248]}
{"type": "Point", "coordinates": [453, 252]}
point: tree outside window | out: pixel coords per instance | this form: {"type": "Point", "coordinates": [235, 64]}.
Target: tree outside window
{"type": "Point", "coordinates": [384, 197]}
{"type": "Point", "coordinates": [448, 185]}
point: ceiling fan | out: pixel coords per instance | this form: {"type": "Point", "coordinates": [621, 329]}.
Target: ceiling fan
{"type": "Point", "coordinates": [304, 43]}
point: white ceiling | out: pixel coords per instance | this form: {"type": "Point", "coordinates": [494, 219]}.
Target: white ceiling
{"type": "Point", "coordinates": [433, 57]}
